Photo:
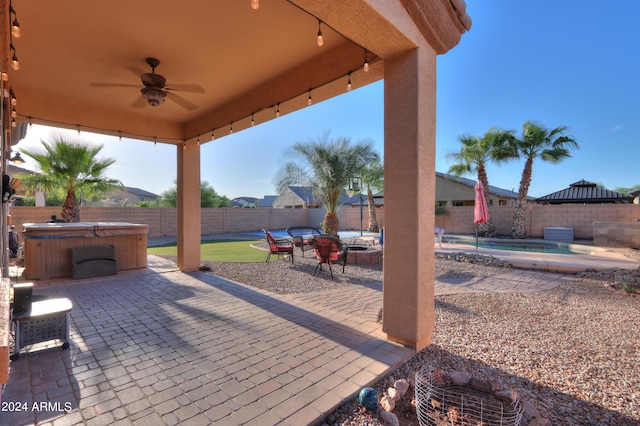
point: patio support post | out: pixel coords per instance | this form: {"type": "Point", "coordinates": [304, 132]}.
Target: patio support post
{"type": "Point", "coordinates": [189, 225]}
{"type": "Point", "coordinates": [409, 171]}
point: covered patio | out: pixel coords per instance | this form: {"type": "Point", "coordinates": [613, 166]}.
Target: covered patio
{"type": "Point", "coordinates": [234, 66]}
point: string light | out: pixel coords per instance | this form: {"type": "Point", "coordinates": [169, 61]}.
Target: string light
{"type": "Point", "coordinates": [5, 76]}
{"type": "Point", "coordinates": [320, 39]}
{"type": "Point", "coordinates": [14, 113]}
{"type": "Point", "coordinates": [349, 83]}
{"type": "Point", "coordinates": [309, 101]}
{"type": "Point", "coordinates": [155, 142]}
{"type": "Point", "coordinates": [15, 26]}
{"type": "Point", "coordinates": [119, 136]}
{"type": "Point", "coordinates": [366, 62]}
{"type": "Point", "coordinates": [253, 122]}
{"type": "Point", "coordinates": [13, 123]}
{"type": "Point", "coordinates": [231, 128]}
{"type": "Point", "coordinates": [198, 141]}
{"type": "Point", "coordinates": [255, 4]}
{"type": "Point", "coordinates": [14, 100]}
{"type": "Point", "coordinates": [78, 129]}
{"type": "Point", "coordinates": [30, 123]}
{"type": "Point", "coordinates": [213, 136]}
{"type": "Point", "coordinates": [278, 110]}
{"type": "Point", "coordinates": [14, 60]}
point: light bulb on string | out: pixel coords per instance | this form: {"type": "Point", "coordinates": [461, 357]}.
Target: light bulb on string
{"type": "Point", "coordinates": [349, 83]}
{"type": "Point", "coordinates": [213, 136]}
{"type": "Point", "coordinates": [231, 128]}
{"type": "Point", "coordinates": [309, 100]}
{"type": "Point", "coordinates": [320, 39]}
{"type": "Point", "coordinates": [278, 110]}
{"type": "Point", "coordinates": [15, 25]}
{"type": "Point", "coordinates": [13, 123]}
{"type": "Point", "coordinates": [30, 123]}
{"type": "Point", "coordinates": [14, 59]}
{"type": "Point", "coordinates": [255, 4]}
{"type": "Point", "coordinates": [119, 136]}
{"type": "Point", "coordinates": [253, 121]}
{"type": "Point", "coordinates": [14, 113]}
{"type": "Point", "coordinates": [79, 134]}
{"type": "Point", "coordinates": [366, 62]}
{"type": "Point", "coordinates": [5, 76]}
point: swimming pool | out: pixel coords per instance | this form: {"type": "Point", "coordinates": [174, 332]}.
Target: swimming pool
{"type": "Point", "coordinates": [532, 246]}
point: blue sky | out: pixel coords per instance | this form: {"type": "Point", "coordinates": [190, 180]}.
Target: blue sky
{"type": "Point", "coordinates": [560, 63]}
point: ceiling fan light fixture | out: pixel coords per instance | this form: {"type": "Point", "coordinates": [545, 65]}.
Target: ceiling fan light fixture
{"type": "Point", "coordinates": [153, 95]}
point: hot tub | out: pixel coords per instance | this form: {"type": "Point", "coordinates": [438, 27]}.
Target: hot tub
{"type": "Point", "coordinates": [48, 245]}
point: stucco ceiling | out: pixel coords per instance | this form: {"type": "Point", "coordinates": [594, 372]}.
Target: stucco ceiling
{"type": "Point", "coordinates": [245, 60]}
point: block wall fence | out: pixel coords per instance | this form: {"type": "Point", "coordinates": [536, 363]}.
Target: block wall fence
{"type": "Point", "coordinates": [459, 220]}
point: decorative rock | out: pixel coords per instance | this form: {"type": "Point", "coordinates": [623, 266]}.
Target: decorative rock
{"type": "Point", "coordinates": [539, 421]}
{"type": "Point", "coordinates": [394, 394]}
{"type": "Point", "coordinates": [480, 385]}
{"type": "Point", "coordinates": [530, 410]}
{"type": "Point", "coordinates": [402, 386]}
{"type": "Point", "coordinates": [509, 396]}
{"type": "Point", "coordinates": [368, 398]}
{"type": "Point", "coordinates": [460, 378]}
{"type": "Point", "coordinates": [387, 403]}
{"type": "Point", "coordinates": [388, 418]}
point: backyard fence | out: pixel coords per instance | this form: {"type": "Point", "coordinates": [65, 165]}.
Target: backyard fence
{"type": "Point", "coordinates": [162, 221]}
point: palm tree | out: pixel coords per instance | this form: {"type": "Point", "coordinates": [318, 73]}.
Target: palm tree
{"type": "Point", "coordinates": [373, 178]}
{"type": "Point", "coordinates": [69, 162]}
{"type": "Point", "coordinates": [327, 166]}
{"type": "Point", "coordinates": [475, 153]}
{"type": "Point", "coordinates": [537, 142]}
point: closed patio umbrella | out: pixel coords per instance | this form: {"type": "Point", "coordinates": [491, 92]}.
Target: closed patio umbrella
{"type": "Point", "coordinates": [480, 210]}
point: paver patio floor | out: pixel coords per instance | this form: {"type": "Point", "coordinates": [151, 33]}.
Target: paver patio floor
{"type": "Point", "coordinates": [157, 346]}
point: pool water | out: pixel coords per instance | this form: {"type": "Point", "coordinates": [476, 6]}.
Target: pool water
{"type": "Point", "coordinates": [533, 248]}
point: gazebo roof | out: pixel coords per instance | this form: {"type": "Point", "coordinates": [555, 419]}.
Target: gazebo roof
{"type": "Point", "coordinates": [584, 192]}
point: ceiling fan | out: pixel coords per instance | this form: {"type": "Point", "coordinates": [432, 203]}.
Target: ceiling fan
{"type": "Point", "coordinates": [155, 90]}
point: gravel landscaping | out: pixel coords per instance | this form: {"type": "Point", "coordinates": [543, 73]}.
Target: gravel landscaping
{"type": "Point", "coordinates": [571, 353]}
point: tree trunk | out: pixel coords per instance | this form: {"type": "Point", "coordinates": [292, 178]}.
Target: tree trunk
{"type": "Point", "coordinates": [519, 227]}
{"type": "Point", "coordinates": [331, 224]}
{"type": "Point", "coordinates": [486, 229]}
{"type": "Point", "coordinates": [70, 208]}
{"type": "Point", "coordinates": [373, 220]}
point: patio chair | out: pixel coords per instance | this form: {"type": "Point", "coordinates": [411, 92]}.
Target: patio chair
{"type": "Point", "coordinates": [279, 246]}
{"type": "Point", "coordinates": [330, 250]}
{"type": "Point", "coordinates": [302, 236]}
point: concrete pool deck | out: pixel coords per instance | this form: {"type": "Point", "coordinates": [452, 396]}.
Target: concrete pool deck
{"type": "Point", "coordinates": [549, 262]}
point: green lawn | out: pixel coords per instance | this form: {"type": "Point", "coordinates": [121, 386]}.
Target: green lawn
{"type": "Point", "coordinates": [218, 251]}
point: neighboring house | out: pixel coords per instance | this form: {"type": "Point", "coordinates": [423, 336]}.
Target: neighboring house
{"type": "Point", "coordinates": [244, 202]}
{"type": "Point", "coordinates": [267, 201]}
{"type": "Point", "coordinates": [301, 197]}
{"type": "Point", "coordinates": [585, 192]}
{"type": "Point", "coordinates": [454, 190]}
{"type": "Point", "coordinates": [131, 196]}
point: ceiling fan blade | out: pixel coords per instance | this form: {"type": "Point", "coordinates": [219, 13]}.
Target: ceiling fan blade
{"type": "Point", "coordinates": [182, 101]}
{"type": "Point", "coordinates": [113, 85]}
{"type": "Point", "coordinates": [192, 88]}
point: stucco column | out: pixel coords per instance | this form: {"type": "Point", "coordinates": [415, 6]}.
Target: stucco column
{"type": "Point", "coordinates": [189, 227]}
{"type": "Point", "coordinates": [409, 172]}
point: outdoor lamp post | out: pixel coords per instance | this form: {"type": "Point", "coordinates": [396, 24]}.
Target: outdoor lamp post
{"type": "Point", "coordinates": [355, 184]}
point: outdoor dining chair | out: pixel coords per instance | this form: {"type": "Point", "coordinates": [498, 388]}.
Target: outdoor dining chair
{"type": "Point", "coordinates": [302, 236]}
{"type": "Point", "coordinates": [279, 246]}
{"type": "Point", "coordinates": [330, 250]}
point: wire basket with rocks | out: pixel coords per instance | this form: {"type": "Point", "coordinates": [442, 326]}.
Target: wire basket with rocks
{"type": "Point", "coordinates": [456, 398]}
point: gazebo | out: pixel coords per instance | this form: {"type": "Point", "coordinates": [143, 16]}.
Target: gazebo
{"type": "Point", "coordinates": [585, 192]}
{"type": "Point", "coordinates": [95, 66]}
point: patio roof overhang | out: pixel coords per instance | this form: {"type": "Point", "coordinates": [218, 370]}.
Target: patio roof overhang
{"type": "Point", "coordinates": [248, 62]}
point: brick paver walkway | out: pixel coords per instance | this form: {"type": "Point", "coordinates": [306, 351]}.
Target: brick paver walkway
{"type": "Point", "coordinates": [155, 347]}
